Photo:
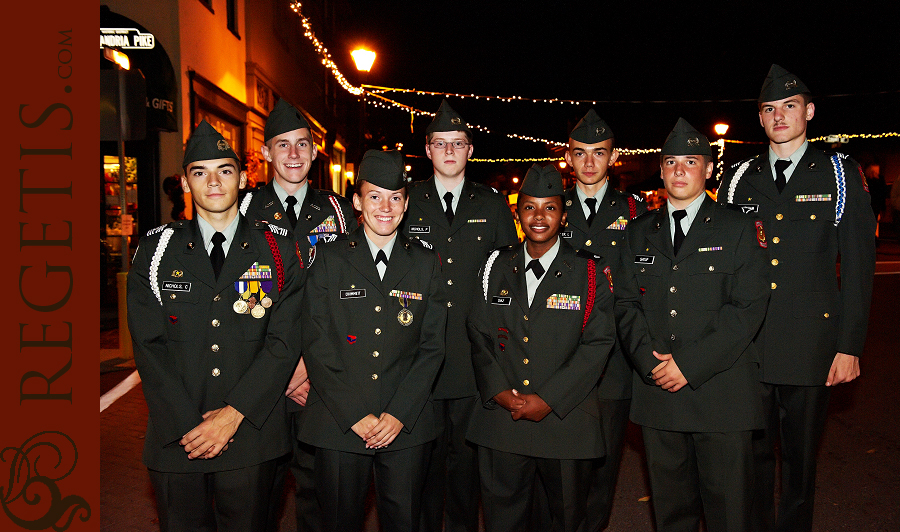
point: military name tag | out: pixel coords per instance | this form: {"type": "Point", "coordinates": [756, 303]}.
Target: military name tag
{"type": "Point", "coordinates": [500, 300]}
{"type": "Point", "coordinates": [565, 234]}
{"type": "Point", "coordinates": [419, 229]}
{"type": "Point", "coordinates": [176, 286]}
{"type": "Point", "coordinates": [747, 208]}
{"type": "Point", "coordinates": [644, 259]}
{"type": "Point", "coordinates": [352, 294]}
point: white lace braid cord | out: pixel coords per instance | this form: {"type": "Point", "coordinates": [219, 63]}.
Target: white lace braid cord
{"type": "Point", "coordinates": [246, 203]}
{"type": "Point", "coordinates": [841, 182]}
{"type": "Point", "coordinates": [342, 224]}
{"type": "Point", "coordinates": [154, 263]}
{"type": "Point", "coordinates": [737, 177]}
{"type": "Point", "coordinates": [487, 271]}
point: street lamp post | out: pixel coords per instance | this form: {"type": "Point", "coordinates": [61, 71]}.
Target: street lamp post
{"type": "Point", "coordinates": [364, 60]}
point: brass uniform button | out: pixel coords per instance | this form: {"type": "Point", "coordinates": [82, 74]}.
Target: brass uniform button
{"type": "Point", "coordinates": [215, 348]}
{"type": "Point", "coordinates": [774, 286]}
{"type": "Point", "coordinates": [374, 376]}
{"type": "Point", "coordinates": [614, 242]}
{"type": "Point", "coordinates": [675, 267]}
{"type": "Point", "coordinates": [779, 216]}
{"type": "Point", "coordinates": [774, 262]}
{"type": "Point", "coordinates": [673, 289]}
{"type": "Point", "coordinates": [450, 282]}
{"type": "Point", "coordinates": [215, 323]}
{"type": "Point", "coordinates": [673, 313]}
{"type": "Point", "coordinates": [449, 260]}
{"type": "Point", "coordinates": [776, 240]}
{"type": "Point", "coordinates": [449, 239]}
{"type": "Point", "coordinates": [377, 308]}
{"type": "Point", "coordinates": [525, 339]}
{"type": "Point", "coordinates": [812, 216]}
{"type": "Point", "coordinates": [826, 315]}
{"type": "Point", "coordinates": [172, 296]}
{"type": "Point", "coordinates": [216, 372]}
{"type": "Point", "coordinates": [672, 337]}
{"type": "Point", "coordinates": [525, 317]}
{"type": "Point", "coordinates": [526, 382]}
{"type": "Point", "coordinates": [449, 304]}
{"type": "Point", "coordinates": [377, 331]}
{"type": "Point", "coordinates": [375, 354]}
{"type": "Point", "coordinates": [712, 268]}
{"type": "Point", "coordinates": [525, 361]}
{"type": "Point", "coordinates": [588, 243]}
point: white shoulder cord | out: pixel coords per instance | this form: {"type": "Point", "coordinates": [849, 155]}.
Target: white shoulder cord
{"type": "Point", "coordinates": [487, 271]}
{"type": "Point", "coordinates": [154, 263]}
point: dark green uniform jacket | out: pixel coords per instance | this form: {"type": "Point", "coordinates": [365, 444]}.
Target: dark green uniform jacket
{"type": "Point", "coordinates": [604, 237]}
{"type": "Point", "coordinates": [542, 350]}
{"type": "Point", "coordinates": [194, 353]}
{"type": "Point", "coordinates": [482, 222]}
{"type": "Point", "coordinates": [360, 357]}
{"type": "Point", "coordinates": [318, 221]}
{"type": "Point", "coordinates": [705, 307]}
{"type": "Point", "coordinates": [812, 314]}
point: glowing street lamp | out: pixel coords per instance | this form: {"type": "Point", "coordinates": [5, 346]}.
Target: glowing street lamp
{"type": "Point", "coordinates": [363, 59]}
{"type": "Point", "coordinates": [720, 129]}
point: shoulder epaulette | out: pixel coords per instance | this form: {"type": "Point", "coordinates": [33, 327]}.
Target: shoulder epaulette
{"type": "Point", "coordinates": [587, 254]}
{"type": "Point", "coordinates": [245, 204]}
{"type": "Point", "coordinates": [424, 244]}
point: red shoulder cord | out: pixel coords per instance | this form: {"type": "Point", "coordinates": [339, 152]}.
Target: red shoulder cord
{"type": "Point", "coordinates": [632, 208]}
{"type": "Point", "coordinates": [276, 254]}
{"type": "Point", "coordinates": [592, 291]}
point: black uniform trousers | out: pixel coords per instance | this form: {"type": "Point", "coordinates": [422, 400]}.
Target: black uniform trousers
{"type": "Point", "coordinates": [696, 475]}
{"type": "Point", "coordinates": [507, 489]}
{"type": "Point", "coordinates": [343, 479]}
{"type": "Point", "coordinates": [796, 416]}
{"type": "Point", "coordinates": [301, 463]}
{"type": "Point", "coordinates": [450, 452]}
{"type": "Point", "coordinates": [236, 500]}
{"type": "Point", "coordinates": [614, 416]}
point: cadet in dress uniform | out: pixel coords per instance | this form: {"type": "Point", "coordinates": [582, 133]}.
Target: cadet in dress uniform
{"type": "Point", "coordinates": [374, 316]}
{"type": "Point", "coordinates": [213, 309]}
{"type": "Point", "coordinates": [815, 206]}
{"type": "Point", "coordinates": [464, 221]}
{"type": "Point", "coordinates": [597, 217]}
{"type": "Point", "coordinates": [691, 294]}
{"type": "Point", "coordinates": [312, 216]}
{"type": "Point", "coordinates": [541, 329]}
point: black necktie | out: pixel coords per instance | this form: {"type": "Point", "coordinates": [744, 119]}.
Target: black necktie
{"type": "Point", "coordinates": [217, 256]}
{"type": "Point", "coordinates": [380, 257]}
{"type": "Point", "coordinates": [592, 205]}
{"type": "Point", "coordinates": [448, 198]}
{"type": "Point", "coordinates": [780, 180]}
{"type": "Point", "coordinates": [535, 266]}
{"type": "Point", "coordinates": [679, 232]}
{"type": "Point", "coordinates": [292, 216]}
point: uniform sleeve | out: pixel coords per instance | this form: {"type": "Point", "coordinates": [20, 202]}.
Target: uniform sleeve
{"type": "Point", "coordinates": [327, 370]}
{"type": "Point", "coordinates": [573, 380]}
{"type": "Point", "coordinates": [856, 244]}
{"type": "Point", "coordinates": [739, 319]}
{"type": "Point", "coordinates": [173, 412]}
{"type": "Point", "coordinates": [489, 376]}
{"type": "Point", "coordinates": [505, 229]}
{"type": "Point", "coordinates": [263, 384]}
{"type": "Point", "coordinates": [413, 391]}
{"type": "Point", "coordinates": [633, 329]}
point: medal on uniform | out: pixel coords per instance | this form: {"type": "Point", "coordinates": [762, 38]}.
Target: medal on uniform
{"type": "Point", "coordinates": [405, 317]}
{"type": "Point", "coordinates": [258, 311]}
{"type": "Point", "coordinates": [251, 289]}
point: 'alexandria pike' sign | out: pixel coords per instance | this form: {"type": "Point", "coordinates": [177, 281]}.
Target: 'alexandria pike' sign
{"type": "Point", "coordinates": [126, 39]}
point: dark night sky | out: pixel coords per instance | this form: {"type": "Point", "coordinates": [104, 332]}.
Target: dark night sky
{"type": "Point", "coordinates": [625, 52]}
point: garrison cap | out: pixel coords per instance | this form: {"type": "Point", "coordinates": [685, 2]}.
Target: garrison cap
{"type": "Point", "coordinates": [685, 140]}
{"type": "Point", "coordinates": [205, 144]}
{"type": "Point", "coordinates": [542, 182]}
{"type": "Point", "coordinates": [446, 119]}
{"type": "Point", "coordinates": [283, 118]}
{"type": "Point", "coordinates": [384, 169]}
{"type": "Point", "coordinates": [591, 129]}
{"type": "Point", "coordinates": [780, 84]}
